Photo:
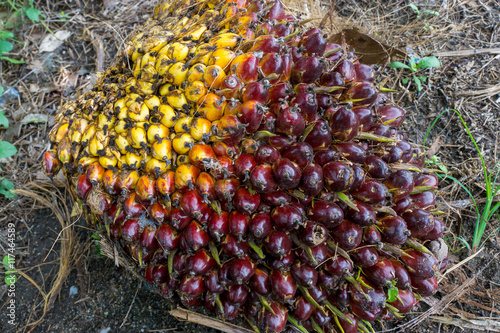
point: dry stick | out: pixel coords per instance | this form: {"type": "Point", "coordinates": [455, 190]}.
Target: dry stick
{"type": "Point", "coordinates": [193, 317]}
{"type": "Point", "coordinates": [464, 53]}
{"type": "Point", "coordinates": [131, 303]}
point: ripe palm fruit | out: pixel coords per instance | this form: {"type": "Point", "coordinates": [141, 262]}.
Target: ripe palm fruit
{"type": "Point", "coordinates": [248, 166]}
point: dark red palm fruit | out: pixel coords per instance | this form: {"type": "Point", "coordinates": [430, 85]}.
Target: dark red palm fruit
{"type": "Point", "coordinates": [420, 265]}
{"type": "Point", "coordinates": [425, 200]}
{"type": "Point", "coordinates": [324, 101]}
{"type": "Point", "coordinates": [371, 192]}
{"type": "Point", "coordinates": [364, 256]}
{"type": "Point", "coordinates": [402, 205]}
{"type": "Point", "coordinates": [243, 165]}
{"type": "Point", "coordinates": [262, 179]}
{"type": "Point", "coordinates": [266, 44]}
{"type": "Point", "coordinates": [284, 263]}
{"type": "Point", "coordinates": [260, 225]}
{"type": "Point", "coordinates": [340, 297]}
{"type": "Point", "coordinates": [230, 87]}
{"type": "Point", "coordinates": [299, 207]}
{"type": "Point", "coordinates": [333, 79]}
{"type": "Point", "coordinates": [382, 273]}
{"type": "Point", "coordinates": [405, 301]}
{"type": "Point", "coordinates": [327, 213]}
{"type": "Point", "coordinates": [320, 136]}
{"type": "Point", "coordinates": [344, 125]}
{"type": "Point", "coordinates": [233, 247]}
{"type": "Point", "coordinates": [302, 309]}
{"type": "Point", "coordinates": [423, 179]}
{"type": "Point", "coordinates": [115, 231]}
{"type": "Point", "coordinates": [382, 99]}
{"type": "Point", "coordinates": [280, 91]}
{"type": "Point", "coordinates": [178, 219]}
{"type": "Point", "coordinates": [318, 293]}
{"type": "Point", "coordinates": [327, 281]}
{"type": "Point", "coordinates": [358, 176]}
{"type": "Point", "coordinates": [304, 275]}
{"type": "Point", "coordinates": [307, 105]}
{"type": "Point", "coordinates": [200, 263]}
{"type": "Point", "coordinates": [281, 142]}
{"type": "Point", "coordinates": [333, 51]}
{"type": "Point", "coordinates": [277, 198]}
{"type": "Point", "coordinates": [256, 92]}
{"type": "Point", "coordinates": [351, 151]}
{"type": "Point", "coordinates": [222, 149]}
{"type": "Point", "coordinates": [346, 69]}
{"type": "Point", "coordinates": [191, 286]}
{"type": "Point", "coordinates": [371, 235]}
{"type": "Point", "coordinates": [290, 122]}
{"type": "Point", "coordinates": [390, 115]}
{"type": "Point", "coordinates": [365, 117]}
{"type": "Point", "coordinates": [393, 229]}
{"type": "Point", "coordinates": [338, 176]}
{"type": "Point", "coordinates": [226, 168]}
{"type": "Point", "coordinates": [364, 72]}
{"type": "Point", "coordinates": [362, 94]}
{"type": "Point", "coordinates": [218, 225]}
{"type": "Point", "coordinates": [252, 310]}
{"type": "Point", "coordinates": [418, 157]}
{"type": "Point", "coordinates": [147, 238]}
{"type": "Point", "coordinates": [436, 232]}
{"type": "Point", "coordinates": [316, 256]}
{"type": "Point", "coordinates": [376, 299]}
{"type": "Point", "coordinates": [376, 167]}
{"type": "Point", "coordinates": [271, 63]}
{"type": "Point", "coordinates": [260, 282]}
{"type": "Point", "coordinates": [348, 235]}
{"type": "Point", "coordinates": [403, 280]}
{"type": "Point", "coordinates": [250, 114]}
{"type": "Point", "coordinates": [324, 156]}
{"type": "Point", "coordinates": [300, 153]}
{"type": "Point", "coordinates": [209, 301]}
{"type": "Point", "coordinates": [156, 211]}
{"type": "Point", "coordinates": [130, 230]}
{"type": "Point", "coordinates": [364, 216]}
{"type": "Point", "coordinates": [166, 291]}
{"type": "Point", "coordinates": [307, 70]}
{"type": "Point", "coordinates": [278, 107]}
{"type": "Point", "coordinates": [276, 12]}
{"type": "Point", "coordinates": [266, 154]}
{"type": "Point", "coordinates": [304, 201]}
{"type": "Point", "coordinates": [283, 285]}
{"type": "Point", "coordinates": [224, 276]}
{"type": "Point", "coordinates": [211, 281]}
{"type": "Point", "coordinates": [276, 322]}
{"type": "Point", "coordinates": [237, 293]}
{"type": "Point", "coordinates": [297, 53]}
{"type": "Point", "coordinates": [83, 187]}
{"type": "Point", "coordinates": [241, 269]}
{"type": "Point", "coordinates": [246, 68]}
{"type": "Point", "coordinates": [116, 214]}
{"type": "Point", "coordinates": [238, 224]}
{"type": "Point", "coordinates": [225, 189]}
{"type": "Point", "coordinates": [192, 204]}
{"type": "Point", "coordinates": [160, 274]}
{"type": "Point", "coordinates": [195, 236]}
{"type": "Point", "coordinates": [287, 67]}
{"type": "Point", "coordinates": [313, 234]}
{"type": "Point", "coordinates": [312, 182]}
{"type": "Point", "coordinates": [230, 310]}
{"type": "Point", "coordinates": [205, 185]}
{"type": "Point", "coordinates": [400, 183]}
{"type": "Point", "coordinates": [286, 173]}
{"type": "Point", "coordinates": [282, 29]}
{"type": "Point", "coordinates": [286, 218]}
{"type": "Point", "coordinates": [268, 122]}
{"type": "Point", "coordinates": [148, 273]}
{"type": "Point", "coordinates": [390, 153]}
{"type": "Point", "coordinates": [322, 319]}
{"type": "Point", "coordinates": [278, 244]}
{"type": "Point", "coordinates": [426, 288]}
{"type": "Point", "coordinates": [314, 43]}
{"type": "Point", "coordinates": [407, 151]}
{"type": "Point", "coordinates": [132, 207]}
{"type": "Point", "coordinates": [380, 130]}
{"type": "Point", "coordinates": [419, 222]}
{"type": "Point", "coordinates": [179, 267]}
{"type": "Point", "coordinates": [245, 202]}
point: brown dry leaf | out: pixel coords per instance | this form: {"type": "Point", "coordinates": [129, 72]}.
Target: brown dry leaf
{"type": "Point", "coordinates": [434, 147]}
{"type": "Point", "coordinates": [370, 50]}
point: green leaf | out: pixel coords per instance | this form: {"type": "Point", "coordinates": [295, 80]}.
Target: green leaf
{"type": "Point", "coordinates": [1, 90]}
{"type": "Point", "coordinates": [14, 61]}
{"type": "Point", "coordinates": [10, 280]}
{"type": "Point", "coordinates": [427, 62]}
{"type": "Point", "coordinates": [3, 119]}
{"type": "Point", "coordinates": [413, 66]}
{"type": "Point", "coordinates": [6, 263]}
{"type": "Point", "coordinates": [6, 34]}
{"type": "Point", "coordinates": [422, 78]}
{"type": "Point", "coordinates": [5, 46]}
{"type": "Point", "coordinates": [430, 12]}
{"type": "Point", "coordinates": [392, 294]}
{"type": "Point", "coordinates": [5, 188]}
{"type": "Point", "coordinates": [32, 13]}
{"type": "Point", "coordinates": [405, 80]}
{"type": "Point", "coordinates": [398, 64]}
{"type": "Point", "coordinates": [418, 83]}
{"type": "Point", "coordinates": [414, 8]}
{"type": "Point", "coordinates": [95, 236]}
{"type": "Point", "coordinates": [7, 149]}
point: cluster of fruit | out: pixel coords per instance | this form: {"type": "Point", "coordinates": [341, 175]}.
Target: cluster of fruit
{"type": "Point", "coordinates": [252, 168]}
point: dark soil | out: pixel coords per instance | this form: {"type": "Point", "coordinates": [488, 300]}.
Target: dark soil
{"type": "Point", "coordinates": [98, 297]}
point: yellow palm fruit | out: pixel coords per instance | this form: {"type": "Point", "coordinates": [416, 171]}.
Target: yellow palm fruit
{"type": "Point", "coordinates": [196, 33]}
{"type": "Point", "coordinates": [64, 151]}
{"type": "Point", "coordinates": [85, 162]}
{"type": "Point", "coordinates": [89, 133]}
{"type": "Point", "coordinates": [138, 137]}
{"type": "Point", "coordinates": [180, 24]}
{"type": "Point", "coordinates": [183, 123]}
{"type": "Point", "coordinates": [222, 58]}
{"type": "Point", "coordinates": [105, 121]}
{"type": "Point", "coordinates": [162, 150]}
{"type": "Point", "coordinates": [135, 54]}
{"type": "Point", "coordinates": [177, 73]}
{"type": "Point", "coordinates": [167, 115]}
{"type": "Point", "coordinates": [176, 99]}
{"type": "Point", "coordinates": [154, 43]}
{"type": "Point", "coordinates": [196, 72]}
{"type": "Point", "coordinates": [149, 73]}
{"type": "Point", "coordinates": [119, 103]}
{"type": "Point", "coordinates": [162, 64]}
{"type": "Point", "coordinates": [157, 131]}
{"type": "Point", "coordinates": [166, 88]}
{"type": "Point", "coordinates": [122, 143]}
{"type": "Point", "coordinates": [138, 112]}
{"type": "Point", "coordinates": [61, 132]}
{"type": "Point", "coordinates": [109, 159]}
{"type": "Point", "coordinates": [78, 129]}
{"type": "Point", "coordinates": [156, 167]}
{"type": "Point", "coordinates": [185, 176]}
{"type": "Point", "coordinates": [133, 160]}
{"type": "Point", "coordinates": [214, 76]}
{"type": "Point", "coordinates": [152, 102]}
{"type": "Point", "coordinates": [200, 129]}
{"type": "Point", "coordinates": [129, 86]}
{"type": "Point", "coordinates": [178, 51]}
{"type": "Point", "coordinates": [182, 142]}
{"type": "Point", "coordinates": [211, 106]}
{"type": "Point", "coordinates": [131, 98]}
{"type": "Point", "coordinates": [228, 40]}
{"type": "Point", "coordinates": [182, 159]}
{"type": "Point", "coordinates": [98, 143]}
{"type": "Point", "coordinates": [121, 126]}
{"type": "Point", "coordinates": [144, 87]}
{"type": "Point", "coordinates": [136, 68]}
{"type": "Point", "coordinates": [194, 91]}
{"type": "Point", "coordinates": [147, 58]}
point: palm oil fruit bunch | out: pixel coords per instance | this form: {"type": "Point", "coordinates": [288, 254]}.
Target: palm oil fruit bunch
{"type": "Point", "coordinates": [253, 169]}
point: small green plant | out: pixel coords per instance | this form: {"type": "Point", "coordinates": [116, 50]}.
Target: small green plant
{"type": "Point", "coordinates": [95, 236]}
{"type": "Point", "coordinates": [6, 46]}
{"type": "Point", "coordinates": [490, 208]}
{"type": "Point", "coordinates": [423, 14]}
{"type": "Point", "coordinates": [8, 264]}
{"type": "Point", "coordinates": [415, 65]}
{"type": "Point", "coordinates": [7, 149]}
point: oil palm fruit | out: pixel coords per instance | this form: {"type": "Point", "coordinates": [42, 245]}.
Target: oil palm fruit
{"type": "Point", "coordinates": [250, 167]}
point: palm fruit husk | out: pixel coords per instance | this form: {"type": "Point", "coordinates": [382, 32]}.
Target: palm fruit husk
{"type": "Point", "coordinates": [243, 166]}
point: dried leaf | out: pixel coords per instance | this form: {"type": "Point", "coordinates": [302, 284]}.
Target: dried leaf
{"type": "Point", "coordinates": [52, 42]}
